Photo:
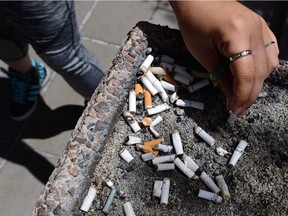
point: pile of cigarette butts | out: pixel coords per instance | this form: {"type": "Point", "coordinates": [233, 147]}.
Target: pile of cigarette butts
{"type": "Point", "coordinates": [165, 80]}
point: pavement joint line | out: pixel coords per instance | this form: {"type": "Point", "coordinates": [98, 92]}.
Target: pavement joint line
{"type": "Point", "coordinates": [84, 21]}
{"type": "Point", "coordinates": [101, 42]}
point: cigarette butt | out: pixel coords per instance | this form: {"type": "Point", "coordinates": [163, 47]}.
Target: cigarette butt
{"type": "Point", "coordinates": [153, 142]}
{"type": "Point", "coordinates": [190, 163]}
{"type": "Point", "coordinates": [232, 118]}
{"type": "Point", "coordinates": [209, 196]}
{"type": "Point", "coordinates": [149, 149]}
{"type": "Point", "coordinates": [177, 143]}
{"type": "Point", "coordinates": [131, 121]}
{"type": "Point", "coordinates": [164, 159]}
{"type": "Point", "coordinates": [132, 102]}
{"type": "Point", "coordinates": [168, 86]}
{"type": "Point", "coordinates": [163, 148]}
{"type": "Point", "coordinates": [157, 188]}
{"type": "Point", "coordinates": [167, 59]}
{"type": "Point", "coordinates": [154, 132]}
{"type": "Point", "coordinates": [158, 109]}
{"type": "Point", "coordinates": [128, 209]}
{"type": "Point", "coordinates": [165, 166]}
{"type": "Point", "coordinates": [131, 140]}
{"type": "Point", "coordinates": [147, 100]}
{"type": "Point", "coordinates": [147, 156]}
{"type": "Point", "coordinates": [147, 121]}
{"type": "Point", "coordinates": [156, 121]}
{"type": "Point", "coordinates": [139, 89]}
{"type": "Point", "coordinates": [204, 135]}
{"type": "Point", "coordinates": [182, 70]}
{"type": "Point", "coordinates": [209, 183]}
{"type": "Point", "coordinates": [188, 172]}
{"type": "Point", "coordinates": [203, 75]}
{"type": "Point", "coordinates": [88, 200]}
{"type": "Point", "coordinates": [147, 63]}
{"type": "Point", "coordinates": [182, 79]}
{"type": "Point", "coordinates": [170, 79]}
{"type": "Point", "coordinates": [125, 155]}
{"type": "Point", "coordinates": [237, 153]}
{"type": "Point", "coordinates": [165, 191]}
{"type": "Point", "coordinates": [198, 85]}
{"type": "Point", "coordinates": [148, 85]}
{"type": "Point", "coordinates": [158, 70]}
{"type": "Point", "coordinates": [167, 66]}
{"type": "Point", "coordinates": [223, 187]}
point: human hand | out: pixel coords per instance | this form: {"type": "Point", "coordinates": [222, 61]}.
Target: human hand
{"type": "Point", "coordinates": [214, 31]}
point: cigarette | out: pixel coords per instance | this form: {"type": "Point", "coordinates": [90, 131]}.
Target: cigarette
{"type": "Point", "coordinates": [153, 142]}
{"type": "Point", "coordinates": [165, 166]}
{"type": "Point", "coordinates": [138, 89]}
{"type": "Point", "coordinates": [190, 103]}
{"type": "Point", "coordinates": [198, 85]}
{"type": "Point", "coordinates": [209, 183]}
{"type": "Point", "coordinates": [158, 109]}
{"type": "Point", "coordinates": [209, 196]}
{"type": "Point", "coordinates": [167, 67]}
{"type": "Point", "coordinates": [188, 172]}
{"type": "Point", "coordinates": [147, 63]}
{"type": "Point", "coordinates": [168, 86]}
{"type": "Point", "coordinates": [132, 102]}
{"type": "Point", "coordinates": [156, 121]}
{"type": "Point", "coordinates": [154, 132]}
{"type": "Point", "coordinates": [200, 75]}
{"type": "Point", "coordinates": [204, 135]}
{"type": "Point", "coordinates": [182, 79]}
{"type": "Point", "coordinates": [108, 203]}
{"type": "Point", "coordinates": [170, 79]}
{"type": "Point", "coordinates": [157, 188]}
{"type": "Point", "coordinates": [164, 159]}
{"type": "Point", "coordinates": [158, 70]}
{"type": "Point", "coordinates": [163, 148]}
{"type": "Point", "coordinates": [131, 140]}
{"type": "Point", "coordinates": [147, 156]}
{"type": "Point", "coordinates": [147, 100]}
{"type": "Point", "coordinates": [177, 143]}
{"type": "Point", "coordinates": [148, 149]}
{"type": "Point", "coordinates": [156, 83]}
{"type": "Point", "coordinates": [182, 70]}
{"type": "Point", "coordinates": [174, 97]}
{"type": "Point", "coordinates": [89, 198]}
{"type": "Point", "coordinates": [125, 155]}
{"type": "Point", "coordinates": [128, 210]}
{"type": "Point", "coordinates": [148, 85]}
{"type": "Point", "coordinates": [131, 121]}
{"type": "Point", "coordinates": [147, 121]}
{"type": "Point", "coordinates": [232, 118]}
{"type": "Point", "coordinates": [237, 153]}
{"type": "Point", "coordinates": [167, 59]}
{"type": "Point", "coordinates": [165, 191]}
{"type": "Point", "coordinates": [223, 187]}
{"type": "Point", "coordinates": [190, 163]}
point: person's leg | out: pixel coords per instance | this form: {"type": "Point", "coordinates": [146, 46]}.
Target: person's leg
{"type": "Point", "coordinates": [26, 74]}
{"type": "Point", "coordinates": [52, 31]}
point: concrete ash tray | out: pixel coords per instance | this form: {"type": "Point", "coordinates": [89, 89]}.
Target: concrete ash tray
{"type": "Point", "coordinates": [257, 183]}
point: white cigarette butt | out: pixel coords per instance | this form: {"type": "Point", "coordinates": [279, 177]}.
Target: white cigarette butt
{"type": "Point", "coordinates": [157, 188]}
{"type": "Point", "coordinates": [165, 191]}
{"type": "Point", "coordinates": [147, 63]}
{"type": "Point", "coordinates": [158, 109]}
{"type": "Point", "coordinates": [177, 143]}
{"type": "Point", "coordinates": [125, 155]}
{"type": "Point", "coordinates": [237, 153]}
{"type": "Point", "coordinates": [223, 187]}
{"type": "Point", "coordinates": [131, 140]}
{"type": "Point", "coordinates": [209, 183]}
{"type": "Point", "coordinates": [204, 135]}
{"type": "Point", "coordinates": [88, 200]}
{"type": "Point", "coordinates": [198, 85]}
{"type": "Point", "coordinates": [165, 166]}
{"type": "Point", "coordinates": [190, 103]}
{"type": "Point", "coordinates": [149, 86]}
{"type": "Point", "coordinates": [163, 159]}
{"type": "Point", "coordinates": [189, 173]}
{"type": "Point", "coordinates": [209, 196]}
{"type": "Point", "coordinates": [131, 121]}
{"type": "Point", "coordinates": [132, 102]}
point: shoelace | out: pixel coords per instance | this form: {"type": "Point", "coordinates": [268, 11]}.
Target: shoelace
{"type": "Point", "coordinates": [21, 88]}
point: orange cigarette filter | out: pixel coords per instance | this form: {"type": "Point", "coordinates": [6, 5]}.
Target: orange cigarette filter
{"type": "Point", "coordinates": [147, 149]}
{"type": "Point", "coordinates": [152, 143]}
{"type": "Point", "coordinates": [139, 89]}
{"type": "Point", "coordinates": [147, 121]}
{"type": "Point", "coordinates": [147, 100]}
{"type": "Point", "coordinates": [170, 79]}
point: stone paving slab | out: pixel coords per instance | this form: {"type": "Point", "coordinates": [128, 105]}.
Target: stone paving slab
{"type": "Point", "coordinates": [110, 21]}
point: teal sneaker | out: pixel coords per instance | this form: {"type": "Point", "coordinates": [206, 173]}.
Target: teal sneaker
{"type": "Point", "coordinates": [25, 89]}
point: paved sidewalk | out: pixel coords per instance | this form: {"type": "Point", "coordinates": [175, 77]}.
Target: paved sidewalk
{"type": "Point", "coordinates": [29, 150]}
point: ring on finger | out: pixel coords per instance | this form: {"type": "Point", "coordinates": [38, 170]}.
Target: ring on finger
{"type": "Point", "coordinates": [239, 55]}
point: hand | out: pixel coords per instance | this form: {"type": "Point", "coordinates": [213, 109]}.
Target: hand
{"type": "Point", "coordinates": [213, 31]}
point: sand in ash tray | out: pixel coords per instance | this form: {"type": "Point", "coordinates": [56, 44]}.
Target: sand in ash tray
{"type": "Point", "coordinates": [257, 184]}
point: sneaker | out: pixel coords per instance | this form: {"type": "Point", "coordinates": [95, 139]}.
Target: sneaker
{"type": "Point", "coordinates": [26, 88]}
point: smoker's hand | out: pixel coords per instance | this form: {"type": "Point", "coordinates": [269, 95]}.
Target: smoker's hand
{"type": "Point", "coordinates": [213, 31]}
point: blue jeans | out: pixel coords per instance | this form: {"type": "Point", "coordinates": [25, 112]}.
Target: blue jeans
{"type": "Point", "coordinates": [50, 28]}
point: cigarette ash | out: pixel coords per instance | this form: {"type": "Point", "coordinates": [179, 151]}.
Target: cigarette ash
{"type": "Point", "coordinates": [257, 183]}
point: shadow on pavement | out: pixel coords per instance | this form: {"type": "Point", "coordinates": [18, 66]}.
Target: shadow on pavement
{"type": "Point", "coordinates": [44, 123]}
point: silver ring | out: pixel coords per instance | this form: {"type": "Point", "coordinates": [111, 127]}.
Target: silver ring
{"type": "Point", "coordinates": [270, 43]}
{"type": "Point", "coordinates": [239, 55]}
